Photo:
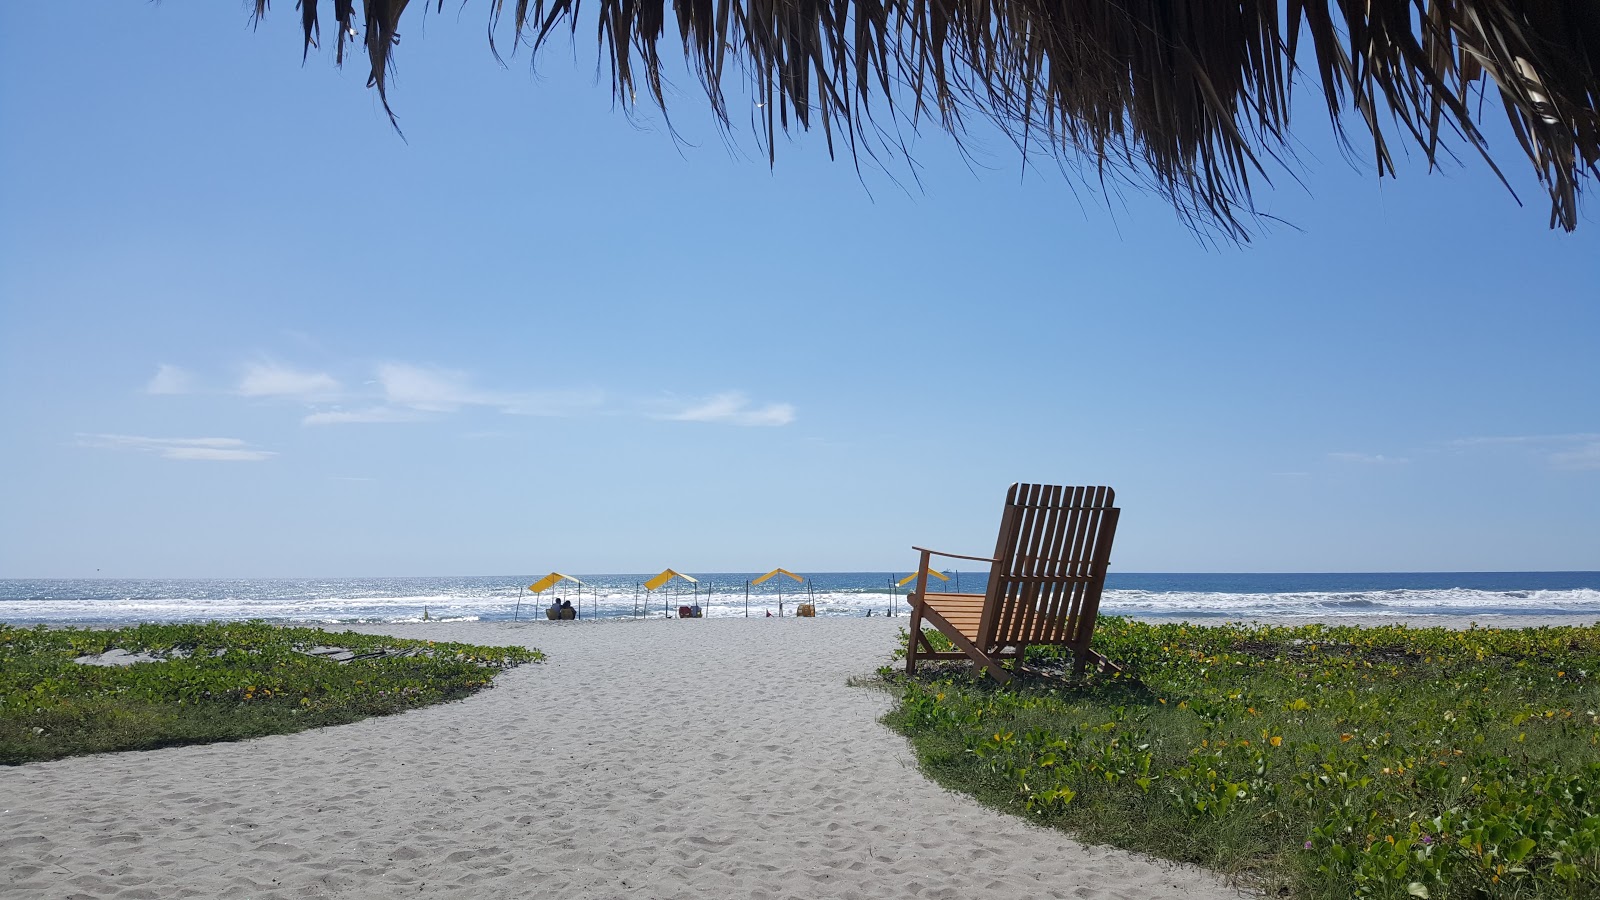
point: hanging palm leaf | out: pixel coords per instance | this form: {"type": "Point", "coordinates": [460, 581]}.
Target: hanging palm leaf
{"type": "Point", "coordinates": [1186, 96]}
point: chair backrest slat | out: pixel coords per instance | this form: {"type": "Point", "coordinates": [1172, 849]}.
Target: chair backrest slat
{"type": "Point", "coordinates": [1050, 564]}
{"type": "Point", "coordinates": [1051, 622]}
{"type": "Point", "coordinates": [1086, 524]}
{"type": "Point", "coordinates": [1022, 597]}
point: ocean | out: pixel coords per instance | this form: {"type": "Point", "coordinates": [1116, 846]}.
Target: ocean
{"type": "Point", "coordinates": [333, 601]}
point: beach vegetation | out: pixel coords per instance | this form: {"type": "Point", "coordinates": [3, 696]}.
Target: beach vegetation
{"type": "Point", "coordinates": [1314, 761]}
{"type": "Point", "coordinates": [216, 682]}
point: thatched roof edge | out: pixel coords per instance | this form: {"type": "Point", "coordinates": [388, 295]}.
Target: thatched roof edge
{"type": "Point", "coordinates": [1188, 95]}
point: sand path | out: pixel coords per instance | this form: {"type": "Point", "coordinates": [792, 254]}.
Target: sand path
{"type": "Point", "coordinates": [652, 759]}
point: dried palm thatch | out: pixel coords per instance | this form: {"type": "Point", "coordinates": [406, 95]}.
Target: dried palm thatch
{"type": "Point", "coordinates": [1187, 95]}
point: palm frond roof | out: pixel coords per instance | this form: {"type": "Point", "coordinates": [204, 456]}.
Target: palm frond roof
{"type": "Point", "coordinates": [1189, 97]}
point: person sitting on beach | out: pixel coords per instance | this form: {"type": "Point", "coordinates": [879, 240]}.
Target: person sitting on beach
{"type": "Point", "coordinates": [567, 612]}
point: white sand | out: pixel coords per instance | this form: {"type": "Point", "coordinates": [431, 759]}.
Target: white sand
{"type": "Point", "coordinates": [651, 759]}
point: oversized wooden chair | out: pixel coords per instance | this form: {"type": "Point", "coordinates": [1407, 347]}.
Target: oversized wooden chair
{"type": "Point", "coordinates": [1045, 580]}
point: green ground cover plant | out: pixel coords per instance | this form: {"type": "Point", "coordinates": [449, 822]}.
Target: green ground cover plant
{"type": "Point", "coordinates": [1313, 761]}
{"type": "Point", "coordinates": [216, 682]}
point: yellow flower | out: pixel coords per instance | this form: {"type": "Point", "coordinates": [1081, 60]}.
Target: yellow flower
{"type": "Point", "coordinates": [1277, 741]}
{"type": "Point", "coordinates": [1345, 738]}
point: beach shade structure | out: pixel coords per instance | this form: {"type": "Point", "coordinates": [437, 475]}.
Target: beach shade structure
{"type": "Point", "coordinates": [666, 577]}
{"type": "Point", "coordinates": [1045, 580]}
{"type": "Point", "coordinates": [1187, 98]}
{"type": "Point", "coordinates": [895, 595]}
{"type": "Point", "coordinates": [768, 577]}
{"type": "Point", "coordinates": [913, 577]}
{"type": "Point", "coordinates": [545, 584]}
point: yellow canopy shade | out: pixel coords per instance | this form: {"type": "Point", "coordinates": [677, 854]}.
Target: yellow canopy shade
{"type": "Point", "coordinates": [778, 572]}
{"type": "Point", "coordinates": [665, 577]}
{"type": "Point", "coordinates": [550, 581]}
{"type": "Point", "coordinates": [913, 577]}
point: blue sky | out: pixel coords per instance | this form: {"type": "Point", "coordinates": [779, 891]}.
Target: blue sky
{"type": "Point", "coordinates": [248, 331]}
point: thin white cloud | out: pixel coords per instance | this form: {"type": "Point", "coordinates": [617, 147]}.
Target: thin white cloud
{"type": "Point", "coordinates": [429, 389]}
{"type": "Point", "coordinates": [435, 390]}
{"type": "Point", "coordinates": [1370, 459]}
{"type": "Point", "coordinates": [217, 455]}
{"type": "Point", "coordinates": [1525, 439]}
{"type": "Point", "coordinates": [733, 408]}
{"type": "Point", "coordinates": [1579, 451]}
{"type": "Point", "coordinates": [1582, 458]}
{"type": "Point", "coordinates": [553, 403]}
{"type": "Point", "coordinates": [409, 392]}
{"type": "Point", "coordinates": [210, 448]}
{"type": "Point", "coordinates": [272, 380]}
{"type": "Point", "coordinates": [170, 380]}
{"type": "Point", "coordinates": [359, 416]}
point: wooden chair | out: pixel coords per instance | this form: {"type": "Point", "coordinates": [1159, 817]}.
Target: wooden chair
{"type": "Point", "coordinates": [1045, 579]}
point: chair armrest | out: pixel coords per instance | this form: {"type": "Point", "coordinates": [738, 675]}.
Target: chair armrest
{"type": "Point", "coordinates": [987, 559]}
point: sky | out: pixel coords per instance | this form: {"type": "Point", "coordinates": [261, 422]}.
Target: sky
{"type": "Point", "coordinates": [246, 330]}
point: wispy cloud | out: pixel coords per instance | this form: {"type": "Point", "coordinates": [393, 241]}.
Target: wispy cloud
{"type": "Point", "coordinates": [435, 390]}
{"type": "Point", "coordinates": [273, 380]}
{"type": "Point", "coordinates": [430, 389]}
{"type": "Point", "coordinates": [397, 391]}
{"type": "Point", "coordinates": [1581, 458]}
{"type": "Point", "coordinates": [733, 408]}
{"type": "Point", "coordinates": [359, 416]}
{"type": "Point", "coordinates": [1572, 452]}
{"type": "Point", "coordinates": [1369, 459]}
{"type": "Point", "coordinates": [210, 448]}
{"type": "Point", "coordinates": [170, 380]}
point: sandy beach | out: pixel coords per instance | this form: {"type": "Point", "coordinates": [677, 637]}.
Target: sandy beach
{"type": "Point", "coordinates": [648, 759]}
{"type": "Point", "coordinates": [652, 759]}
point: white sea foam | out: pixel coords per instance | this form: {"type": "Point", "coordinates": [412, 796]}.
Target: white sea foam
{"type": "Point", "coordinates": [399, 600]}
{"type": "Point", "coordinates": [1397, 602]}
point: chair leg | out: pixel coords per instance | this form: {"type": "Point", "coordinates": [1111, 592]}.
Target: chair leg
{"type": "Point", "coordinates": [914, 640]}
{"type": "Point", "coordinates": [996, 671]}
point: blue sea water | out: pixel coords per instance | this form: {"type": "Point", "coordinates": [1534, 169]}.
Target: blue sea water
{"type": "Point", "coordinates": [1324, 596]}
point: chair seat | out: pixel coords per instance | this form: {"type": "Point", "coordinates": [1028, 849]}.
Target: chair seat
{"type": "Point", "coordinates": [965, 611]}
{"type": "Point", "coordinates": [962, 611]}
